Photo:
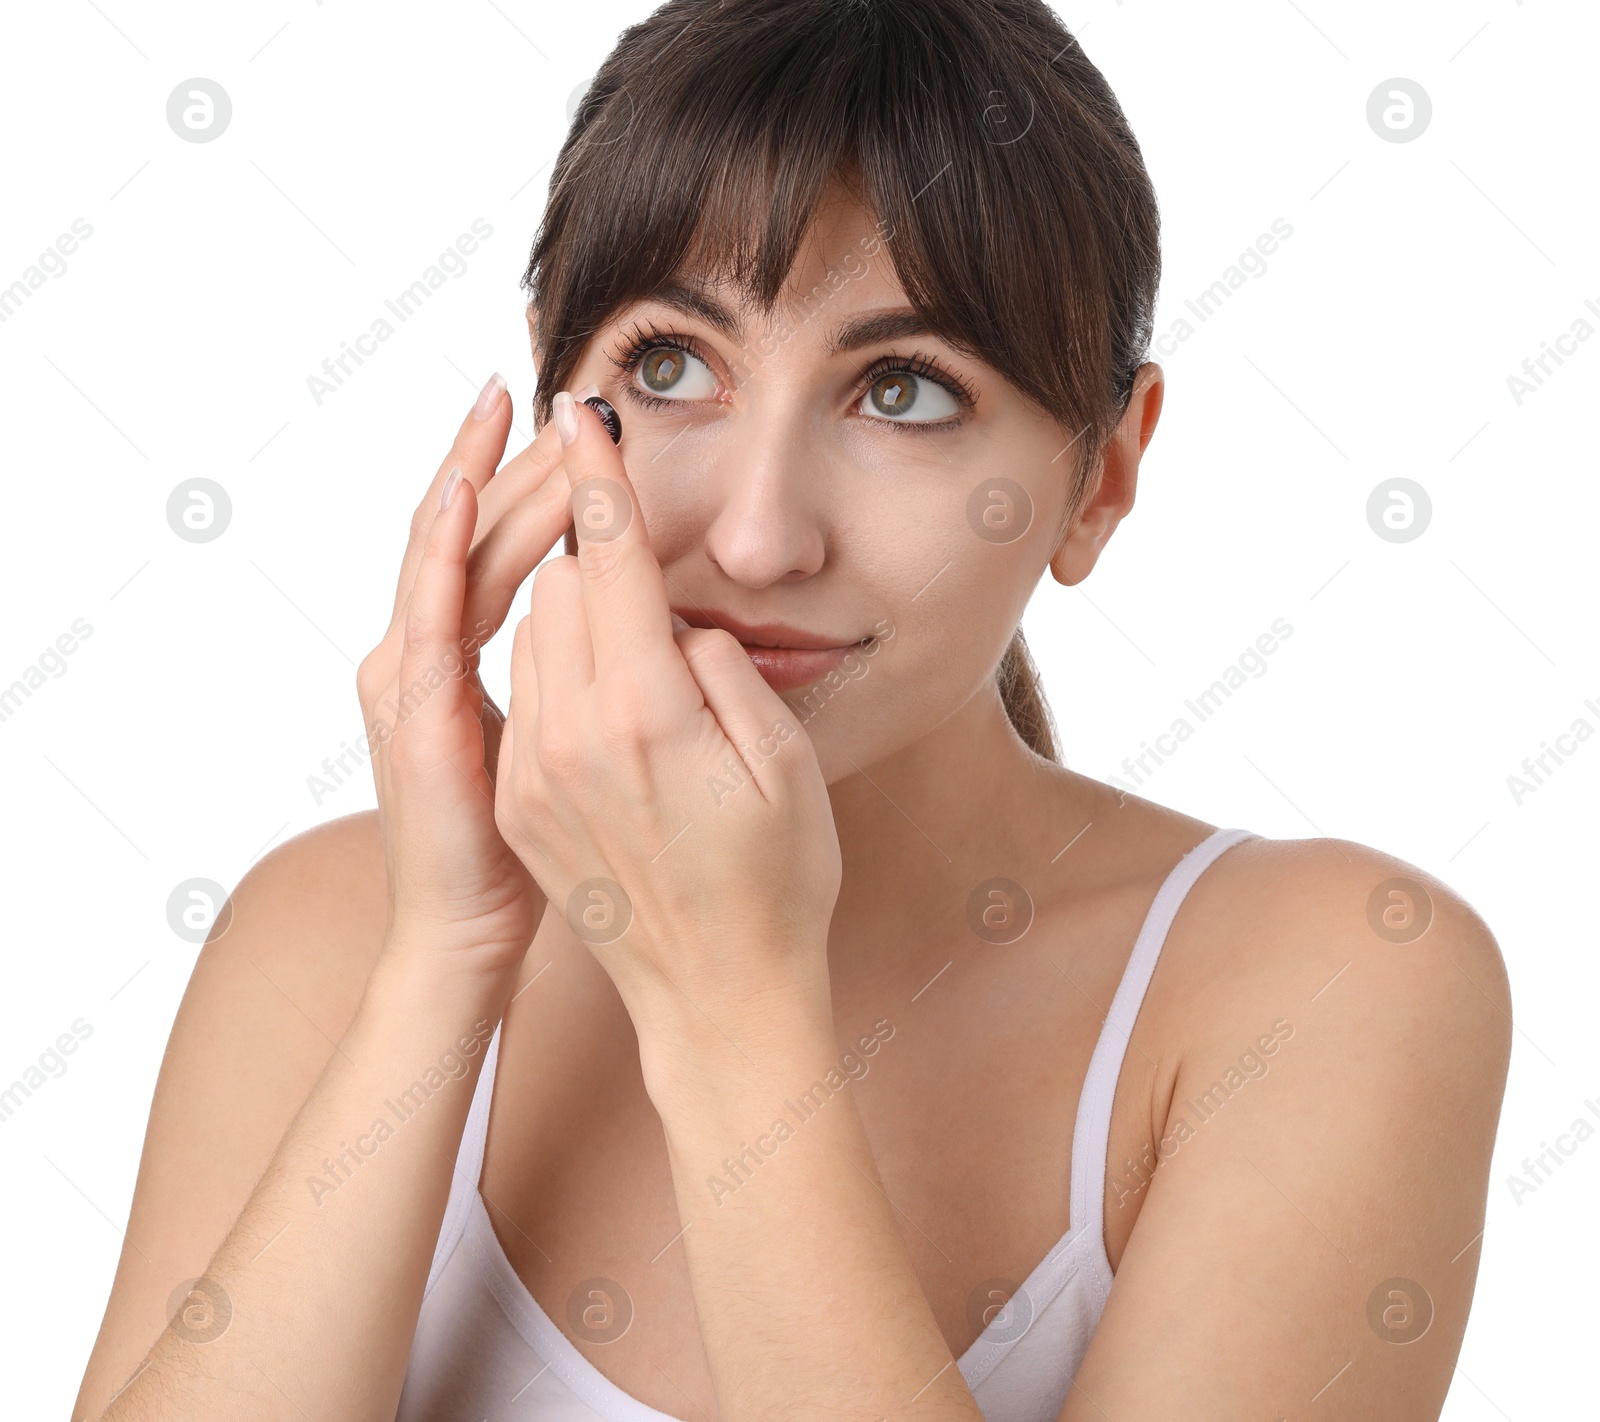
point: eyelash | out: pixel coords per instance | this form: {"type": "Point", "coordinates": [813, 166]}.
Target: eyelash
{"type": "Point", "coordinates": [649, 337]}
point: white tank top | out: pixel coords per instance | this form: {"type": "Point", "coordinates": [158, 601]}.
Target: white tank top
{"type": "Point", "coordinates": [485, 1350]}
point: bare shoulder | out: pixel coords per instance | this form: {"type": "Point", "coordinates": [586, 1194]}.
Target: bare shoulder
{"type": "Point", "coordinates": [1333, 1030]}
{"type": "Point", "coordinates": [1338, 931]}
{"type": "Point", "coordinates": [271, 992]}
{"type": "Point", "coordinates": [279, 979]}
{"type": "Point", "coordinates": [1390, 983]}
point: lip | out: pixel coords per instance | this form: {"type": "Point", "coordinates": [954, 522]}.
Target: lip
{"type": "Point", "coordinates": [787, 657]}
{"type": "Point", "coordinates": [776, 636]}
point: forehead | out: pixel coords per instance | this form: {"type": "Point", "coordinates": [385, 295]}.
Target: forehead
{"type": "Point", "coordinates": [842, 291]}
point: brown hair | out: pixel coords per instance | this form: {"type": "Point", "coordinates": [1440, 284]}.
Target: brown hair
{"type": "Point", "coordinates": [1011, 195]}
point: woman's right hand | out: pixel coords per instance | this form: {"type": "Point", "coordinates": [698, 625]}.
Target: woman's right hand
{"type": "Point", "coordinates": [455, 886]}
{"type": "Point", "coordinates": [323, 1288]}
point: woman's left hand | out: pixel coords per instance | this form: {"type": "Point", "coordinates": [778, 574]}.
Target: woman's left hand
{"type": "Point", "coordinates": [662, 794]}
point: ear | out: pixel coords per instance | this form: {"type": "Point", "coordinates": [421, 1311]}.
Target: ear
{"type": "Point", "coordinates": [533, 327]}
{"type": "Point", "coordinates": [1115, 481]}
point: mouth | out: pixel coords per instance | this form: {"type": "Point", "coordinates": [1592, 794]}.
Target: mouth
{"type": "Point", "coordinates": [787, 657]}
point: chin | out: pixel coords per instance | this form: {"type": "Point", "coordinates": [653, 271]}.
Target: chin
{"type": "Point", "coordinates": [849, 741]}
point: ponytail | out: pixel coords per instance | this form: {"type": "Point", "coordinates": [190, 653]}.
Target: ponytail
{"type": "Point", "coordinates": [1023, 697]}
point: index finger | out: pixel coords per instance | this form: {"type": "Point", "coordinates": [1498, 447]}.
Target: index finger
{"type": "Point", "coordinates": [523, 473]}
{"type": "Point", "coordinates": [624, 594]}
{"type": "Point", "coordinates": [476, 449]}
{"type": "Point", "coordinates": [479, 444]}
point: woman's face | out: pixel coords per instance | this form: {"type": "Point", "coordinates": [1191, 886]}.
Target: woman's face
{"type": "Point", "coordinates": [838, 470]}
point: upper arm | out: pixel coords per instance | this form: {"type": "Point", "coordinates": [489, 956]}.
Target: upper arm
{"type": "Point", "coordinates": [264, 1006]}
{"type": "Point", "coordinates": [1312, 1230]}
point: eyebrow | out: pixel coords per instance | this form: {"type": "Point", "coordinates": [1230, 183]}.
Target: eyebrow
{"type": "Point", "coordinates": [868, 329]}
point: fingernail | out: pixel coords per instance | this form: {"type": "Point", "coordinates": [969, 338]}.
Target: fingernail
{"type": "Point", "coordinates": [608, 416]}
{"type": "Point", "coordinates": [449, 491]}
{"type": "Point", "coordinates": [489, 396]}
{"type": "Point", "coordinates": [678, 624]}
{"type": "Point", "coordinates": [565, 416]}
{"type": "Point", "coordinates": [590, 389]}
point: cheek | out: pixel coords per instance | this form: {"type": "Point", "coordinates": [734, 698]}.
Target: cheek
{"type": "Point", "coordinates": [946, 642]}
{"type": "Point", "coordinates": [673, 520]}
{"type": "Point", "coordinates": [957, 629]}
{"type": "Point", "coordinates": [954, 594]}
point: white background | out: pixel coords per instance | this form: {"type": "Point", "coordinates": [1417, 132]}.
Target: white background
{"type": "Point", "coordinates": [364, 139]}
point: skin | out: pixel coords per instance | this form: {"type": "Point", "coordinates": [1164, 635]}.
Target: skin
{"type": "Point", "coordinates": [825, 896]}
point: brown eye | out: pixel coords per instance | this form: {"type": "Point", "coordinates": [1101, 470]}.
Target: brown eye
{"type": "Point", "coordinates": [907, 398]}
{"type": "Point", "coordinates": [666, 370]}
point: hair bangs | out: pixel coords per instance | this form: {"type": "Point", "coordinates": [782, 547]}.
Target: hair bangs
{"type": "Point", "coordinates": [1000, 183]}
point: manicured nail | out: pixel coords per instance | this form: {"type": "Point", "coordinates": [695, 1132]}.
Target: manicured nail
{"type": "Point", "coordinates": [678, 624]}
{"type": "Point", "coordinates": [565, 416]}
{"type": "Point", "coordinates": [608, 416]}
{"type": "Point", "coordinates": [489, 396]}
{"type": "Point", "coordinates": [590, 389]}
{"type": "Point", "coordinates": [450, 486]}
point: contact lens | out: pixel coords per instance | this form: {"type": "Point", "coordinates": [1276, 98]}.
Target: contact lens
{"type": "Point", "coordinates": [608, 416]}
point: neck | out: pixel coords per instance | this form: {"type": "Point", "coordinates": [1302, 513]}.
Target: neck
{"type": "Point", "coordinates": [921, 829]}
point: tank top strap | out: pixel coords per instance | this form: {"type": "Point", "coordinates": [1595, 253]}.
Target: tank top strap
{"type": "Point", "coordinates": [468, 1165]}
{"type": "Point", "coordinates": [1091, 1134]}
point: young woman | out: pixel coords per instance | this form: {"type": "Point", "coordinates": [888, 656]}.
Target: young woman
{"type": "Point", "coordinates": [866, 1062]}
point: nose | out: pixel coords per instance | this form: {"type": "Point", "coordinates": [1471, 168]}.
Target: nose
{"type": "Point", "coordinates": [770, 522]}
